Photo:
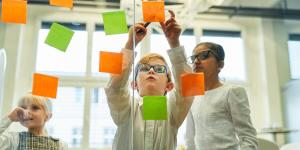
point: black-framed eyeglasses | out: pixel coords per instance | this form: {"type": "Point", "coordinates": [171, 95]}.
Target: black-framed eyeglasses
{"type": "Point", "coordinates": [156, 68]}
{"type": "Point", "coordinates": [201, 56]}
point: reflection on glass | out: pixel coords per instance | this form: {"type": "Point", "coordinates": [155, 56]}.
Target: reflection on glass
{"type": "Point", "coordinates": [67, 117]}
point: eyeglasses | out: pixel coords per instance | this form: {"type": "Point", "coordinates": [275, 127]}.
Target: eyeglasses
{"type": "Point", "coordinates": [156, 68]}
{"type": "Point", "coordinates": [201, 56]}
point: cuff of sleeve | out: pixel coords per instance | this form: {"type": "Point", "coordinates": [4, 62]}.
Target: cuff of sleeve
{"type": "Point", "coordinates": [177, 55]}
{"type": "Point", "coordinates": [6, 121]}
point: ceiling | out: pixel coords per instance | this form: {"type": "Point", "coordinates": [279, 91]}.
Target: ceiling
{"type": "Point", "coordinates": [116, 3]}
{"type": "Point", "coordinates": [187, 7]}
{"type": "Point", "coordinates": [243, 3]}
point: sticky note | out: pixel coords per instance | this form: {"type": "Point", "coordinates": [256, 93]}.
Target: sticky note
{"type": "Point", "coordinates": [154, 11]}
{"type": "Point", "coordinates": [155, 108]}
{"type": "Point", "coordinates": [114, 22]}
{"type": "Point", "coordinates": [110, 62]}
{"type": "Point", "coordinates": [192, 84]}
{"type": "Point", "coordinates": [62, 3]}
{"type": "Point", "coordinates": [44, 85]}
{"type": "Point", "coordinates": [14, 11]}
{"type": "Point", "coordinates": [59, 37]}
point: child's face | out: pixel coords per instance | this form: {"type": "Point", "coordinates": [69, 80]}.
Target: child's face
{"type": "Point", "coordinates": [209, 65]}
{"type": "Point", "coordinates": [151, 83]}
{"type": "Point", "coordinates": [37, 114]}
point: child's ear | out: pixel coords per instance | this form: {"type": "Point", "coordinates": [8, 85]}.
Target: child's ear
{"type": "Point", "coordinates": [134, 85]}
{"type": "Point", "coordinates": [170, 86]}
{"type": "Point", "coordinates": [48, 117]}
{"type": "Point", "coordinates": [221, 65]}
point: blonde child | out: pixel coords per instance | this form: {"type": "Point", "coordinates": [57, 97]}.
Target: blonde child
{"type": "Point", "coordinates": [32, 112]}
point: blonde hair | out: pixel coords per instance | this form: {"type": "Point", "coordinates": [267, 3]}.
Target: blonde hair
{"type": "Point", "coordinates": [43, 102]}
{"type": "Point", "coordinates": [147, 58]}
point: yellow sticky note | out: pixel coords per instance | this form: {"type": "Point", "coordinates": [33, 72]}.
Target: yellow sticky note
{"type": "Point", "coordinates": [62, 3]}
{"type": "Point", "coordinates": [14, 11]}
{"type": "Point", "coordinates": [154, 11]}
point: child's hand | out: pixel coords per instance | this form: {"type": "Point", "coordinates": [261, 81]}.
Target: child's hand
{"type": "Point", "coordinates": [19, 114]}
{"type": "Point", "coordinates": [138, 36]}
{"type": "Point", "coordinates": [172, 30]}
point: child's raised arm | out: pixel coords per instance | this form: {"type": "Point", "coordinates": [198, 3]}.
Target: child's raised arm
{"type": "Point", "coordinates": [179, 105]}
{"type": "Point", "coordinates": [117, 88]}
{"type": "Point", "coordinates": [9, 140]}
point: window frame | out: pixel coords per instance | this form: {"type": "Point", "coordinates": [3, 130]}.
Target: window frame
{"type": "Point", "coordinates": [292, 37]}
{"type": "Point", "coordinates": [233, 33]}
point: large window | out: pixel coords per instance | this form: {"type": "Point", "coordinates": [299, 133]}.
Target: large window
{"type": "Point", "coordinates": [234, 68]}
{"type": "Point", "coordinates": [67, 119]}
{"type": "Point", "coordinates": [102, 128]}
{"type": "Point", "coordinates": [294, 53]}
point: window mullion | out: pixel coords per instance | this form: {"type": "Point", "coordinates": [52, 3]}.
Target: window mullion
{"type": "Point", "coordinates": [90, 30]}
{"type": "Point", "coordinates": [86, 118]}
{"type": "Point", "coordinates": [87, 95]}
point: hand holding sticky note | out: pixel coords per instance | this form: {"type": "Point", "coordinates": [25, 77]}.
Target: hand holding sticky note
{"type": "Point", "coordinates": [44, 85]}
{"type": "Point", "coordinates": [114, 22]}
{"type": "Point", "coordinates": [110, 62]}
{"type": "Point", "coordinates": [155, 108]}
{"type": "Point", "coordinates": [154, 11]}
{"type": "Point", "coordinates": [59, 37]}
{"type": "Point", "coordinates": [192, 84]}
{"type": "Point", "coordinates": [14, 11]}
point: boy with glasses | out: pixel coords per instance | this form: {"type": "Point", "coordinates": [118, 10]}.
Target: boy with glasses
{"type": "Point", "coordinates": [152, 78]}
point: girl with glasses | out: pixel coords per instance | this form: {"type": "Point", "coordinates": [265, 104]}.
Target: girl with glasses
{"type": "Point", "coordinates": [219, 120]}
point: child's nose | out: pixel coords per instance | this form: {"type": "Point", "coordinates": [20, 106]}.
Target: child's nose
{"type": "Point", "coordinates": [151, 71]}
{"type": "Point", "coordinates": [197, 60]}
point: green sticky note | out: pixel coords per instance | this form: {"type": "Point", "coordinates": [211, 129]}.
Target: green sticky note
{"type": "Point", "coordinates": [59, 37]}
{"type": "Point", "coordinates": [155, 108]}
{"type": "Point", "coordinates": [114, 22]}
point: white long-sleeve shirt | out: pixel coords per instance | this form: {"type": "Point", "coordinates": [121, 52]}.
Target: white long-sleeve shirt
{"type": "Point", "coordinates": [220, 120]}
{"type": "Point", "coordinates": [150, 134]}
{"type": "Point", "coordinates": [11, 140]}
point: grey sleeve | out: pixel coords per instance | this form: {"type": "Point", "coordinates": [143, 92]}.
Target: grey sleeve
{"type": "Point", "coordinates": [240, 113]}
{"type": "Point", "coordinates": [181, 105]}
{"type": "Point", "coordinates": [118, 96]}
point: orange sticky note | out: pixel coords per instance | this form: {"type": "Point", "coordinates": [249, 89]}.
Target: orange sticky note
{"type": "Point", "coordinates": [192, 84]}
{"type": "Point", "coordinates": [110, 62]}
{"type": "Point", "coordinates": [62, 3]}
{"type": "Point", "coordinates": [14, 11]}
{"type": "Point", "coordinates": [44, 85]}
{"type": "Point", "coordinates": [154, 11]}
